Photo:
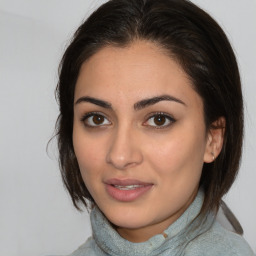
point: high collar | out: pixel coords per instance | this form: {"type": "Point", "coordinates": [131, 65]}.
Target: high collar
{"type": "Point", "coordinates": [177, 235]}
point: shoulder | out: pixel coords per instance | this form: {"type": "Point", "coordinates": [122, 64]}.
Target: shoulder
{"type": "Point", "coordinates": [218, 241]}
{"type": "Point", "coordinates": [86, 249]}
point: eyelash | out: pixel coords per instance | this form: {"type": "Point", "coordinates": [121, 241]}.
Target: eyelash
{"type": "Point", "coordinates": [170, 119]}
{"type": "Point", "coordinates": [93, 114]}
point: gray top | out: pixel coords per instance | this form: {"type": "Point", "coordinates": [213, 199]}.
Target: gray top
{"type": "Point", "coordinates": [186, 237]}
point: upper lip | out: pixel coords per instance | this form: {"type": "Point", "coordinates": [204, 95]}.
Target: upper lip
{"type": "Point", "coordinates": [126, 182]}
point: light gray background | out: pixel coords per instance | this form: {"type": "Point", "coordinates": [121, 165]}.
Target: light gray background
{"type": "Point", "coordinates": [36, 214]}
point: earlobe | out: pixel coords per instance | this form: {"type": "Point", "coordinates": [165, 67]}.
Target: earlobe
{"type": "Point", "coordinates": [215, 140]}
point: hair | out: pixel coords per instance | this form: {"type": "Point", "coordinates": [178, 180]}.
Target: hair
{"type": "Point", "coordinates": [192, 38]}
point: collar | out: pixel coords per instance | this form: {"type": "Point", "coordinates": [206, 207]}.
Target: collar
{"type": "Point", "coordinates": [174, 239]}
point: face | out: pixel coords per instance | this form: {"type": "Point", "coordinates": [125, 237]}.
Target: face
{"type": "Point", "coordinates": [139, 137]}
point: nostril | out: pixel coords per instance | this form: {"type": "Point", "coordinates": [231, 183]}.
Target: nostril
{"type": "Point", "coordinates": [124, 152]}
{"type": "Point", "coordinates": [124, 159]}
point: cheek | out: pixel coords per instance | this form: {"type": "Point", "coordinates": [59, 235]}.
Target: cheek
{"type": "Point", "coordinates": [180, 153]}
{"type": "Point", "coordinates": [85, 153]}
{"type": "Point", "coordinates": [168, 157]}
{"type": "Point", "coordinates": [88, 153]}
{"type": "Point", "coordinates": [90, 164]}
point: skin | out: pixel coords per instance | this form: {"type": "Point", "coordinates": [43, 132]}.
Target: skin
{"type": "Point", "coordinates": [128, 143]}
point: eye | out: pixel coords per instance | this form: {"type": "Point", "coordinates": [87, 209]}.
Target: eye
{"type": "Point", "coordinates": [94, 120]}
{"type": "Point", "coordinates": [159, 120]}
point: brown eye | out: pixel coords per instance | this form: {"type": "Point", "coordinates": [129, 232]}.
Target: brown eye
{"type": "Point", "coordinates": [94, 120]}
{"type": "Point", "coordinates": [159, 120]}
{"type": "Point", "coordinates": [98, 119]}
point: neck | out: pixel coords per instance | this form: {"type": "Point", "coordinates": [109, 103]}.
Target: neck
{"type": "Point", "coordinates": [142, 234]}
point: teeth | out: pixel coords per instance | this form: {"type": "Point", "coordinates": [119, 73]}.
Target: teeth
{"type": "Point", "coordinates": [129, 187]}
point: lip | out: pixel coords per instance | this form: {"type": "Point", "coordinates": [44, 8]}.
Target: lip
{"type": "Point", "coordinates": [127, 190]}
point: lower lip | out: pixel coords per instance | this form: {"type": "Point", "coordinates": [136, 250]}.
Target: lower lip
{"type": "Point", "coordinates": [127, 195]}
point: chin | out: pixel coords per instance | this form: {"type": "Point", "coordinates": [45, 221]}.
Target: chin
{"type": "Point", "coordinates": [129, 224]}
{"type": "Point", "coordinates": [125, 217]}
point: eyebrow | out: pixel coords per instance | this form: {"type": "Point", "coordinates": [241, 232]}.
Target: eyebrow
{"type": "Point", "coordinates": [151, 101]}
{"type": "Point", "coordinates": [137, 106]}
{"type": "Point", "coordinates": [97, 102]}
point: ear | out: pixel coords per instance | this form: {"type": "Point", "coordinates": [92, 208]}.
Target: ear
{"type": "Point", "coordinates": [215, 138]}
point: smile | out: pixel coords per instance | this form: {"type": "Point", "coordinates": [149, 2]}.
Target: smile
{"type": "Point", "coordinates": [129, 187]}
{"type": "Point", "coordinates": [127, 190]}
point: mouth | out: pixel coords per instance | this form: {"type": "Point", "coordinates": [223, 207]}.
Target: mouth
{"type": "Point", "coordinates": [127, 190]}
{"type": "Point", "coordinates": [129, 187]}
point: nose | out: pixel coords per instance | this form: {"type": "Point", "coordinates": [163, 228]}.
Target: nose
{"type": "Point", "coordinates": [124, 150]}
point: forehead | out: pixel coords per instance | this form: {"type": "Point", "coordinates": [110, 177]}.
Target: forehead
{"type": "Point", "coordinates": [140, 70]}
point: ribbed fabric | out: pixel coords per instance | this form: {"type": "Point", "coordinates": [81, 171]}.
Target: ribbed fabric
{"type": "Point", "coordinates": [185, 237]}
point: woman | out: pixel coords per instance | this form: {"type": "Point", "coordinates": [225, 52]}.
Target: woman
{"type": "Point", "coordinates": [150, 129]}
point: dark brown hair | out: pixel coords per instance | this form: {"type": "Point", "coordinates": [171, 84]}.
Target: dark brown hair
{"type": "Point", "coordinates": [196, 42]}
